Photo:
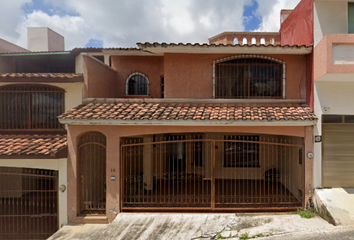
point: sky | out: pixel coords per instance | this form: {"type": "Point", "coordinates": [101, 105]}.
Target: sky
{"type": "Point", "coordinates": [123, 23]}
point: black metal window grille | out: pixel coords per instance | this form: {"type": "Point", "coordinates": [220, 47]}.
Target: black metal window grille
{"type": "Point", "coordinates": [162, 87]}
{"type": "Point", "coordinates": [243, 152]}
{"type": "Point", "coordinates": [31, 107]}
{"type": "Point", "coordinates": [138, 85]}
{"type": "Point", "coordinates": [249, 78]}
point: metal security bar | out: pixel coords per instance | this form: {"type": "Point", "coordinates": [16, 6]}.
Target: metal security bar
{"type": "Point", "coordinates": [92, 178]}
{"type": "Point", "coordinates": [138, 85]}
{"type": "Point", "coordinates": [28, 203]}
{"type": "Point", "coordinates": [167, 173]}
{"type": "Point", "coordinates": [211, 172]}
{"type": "Point", "coordinates": [31, 107]}
{"type": "Point", "coordinates": [259, 172]}
{"type": "Point", "coordinates": [249, 78]}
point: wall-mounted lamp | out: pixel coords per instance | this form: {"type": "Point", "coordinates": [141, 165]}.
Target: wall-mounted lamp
{"type": "Point", "coordinates": [318, 138]}
{"type": "Point", "coordinates": [62, 188]}
{"type": "Point", "coordinates": [326, 109]}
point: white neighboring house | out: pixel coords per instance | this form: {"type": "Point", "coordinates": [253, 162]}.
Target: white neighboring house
{"type": "Point", "coordinates": [333, 93]}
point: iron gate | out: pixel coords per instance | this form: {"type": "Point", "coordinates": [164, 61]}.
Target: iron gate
{"type": "Point", "coordinates": [230, 173]}
{"type": "Point", "coordinates": [28, 203]}
{"type": "Point", "coordinates": [92, 169]}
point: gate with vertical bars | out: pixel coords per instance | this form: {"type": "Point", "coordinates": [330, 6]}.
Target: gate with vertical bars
{"type": "Point", "coordinates": [206, 172]}
{"type": "Point", "coordinates": [28, 203]}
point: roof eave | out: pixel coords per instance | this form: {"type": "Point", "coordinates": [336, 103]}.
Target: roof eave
{"type": "Point", "coordinates": [228, 49]}
{"type": "Point", "coordinates": [188, 122]}
{"type": "Point", "coordinates": [41, 80]}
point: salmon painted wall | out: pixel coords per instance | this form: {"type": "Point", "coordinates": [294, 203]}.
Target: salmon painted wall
{"type": "Point", "coordinates": [150, 66]}
{"type": "Point", "coordinates": [191, 75]}
{"type": "Point", "coordinates": [114, 135]}
{"type": "Point", "coordinates": [100, 80]}
{"type": "Point", "coordinates": [297, 29]}
{"type": "Point", "coordinates": [310, 81]}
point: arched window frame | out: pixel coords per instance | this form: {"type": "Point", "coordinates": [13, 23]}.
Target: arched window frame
{"type": "Point", "coordinates": [27, 109]}
{"type": "Point", "coordinates": [130, 77]}
{"type": "Point", "coordinates": [250, 56]}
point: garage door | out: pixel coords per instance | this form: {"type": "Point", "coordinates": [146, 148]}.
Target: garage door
{"type": "Point", "coordinates": [338, 151]}
{"type": "Point", "coordinates": [28, 203]}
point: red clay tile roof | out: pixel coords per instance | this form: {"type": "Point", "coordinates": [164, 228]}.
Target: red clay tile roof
{"type": "Point", "coordinates": [148, 45]}
{"type": "Point", "coordinates": [32, 77]}
{"type": "Point", "coordinates": [40, 75]}
{"type": "Point", "coordinates": [35, 52]}
{"type": "Point", "coordinates": [111, 110]}
{"type": "Point", "coordinates": [31, 144]}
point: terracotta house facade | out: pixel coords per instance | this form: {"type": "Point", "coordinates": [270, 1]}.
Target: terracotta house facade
{"type": "Point", "coordinates": [190, 127]}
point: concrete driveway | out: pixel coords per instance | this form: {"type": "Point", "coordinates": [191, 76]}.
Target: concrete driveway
{"type": "Point", "coordinates": [196, 226]}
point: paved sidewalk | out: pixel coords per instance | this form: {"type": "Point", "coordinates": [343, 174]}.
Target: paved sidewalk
{"type": "Point", "coordinates": [205, 226]}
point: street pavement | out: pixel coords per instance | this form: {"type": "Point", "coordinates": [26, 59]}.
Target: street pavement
{"type": "Point", "coordinates": [130, 226]}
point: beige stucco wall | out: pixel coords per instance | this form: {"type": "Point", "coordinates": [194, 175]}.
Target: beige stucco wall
{"type": "Point", "coordinates": [114, 135]}
{"type": "Point", "coordinates": [59, 165]}
{"type": "Point", "coordinates": [329, 17]}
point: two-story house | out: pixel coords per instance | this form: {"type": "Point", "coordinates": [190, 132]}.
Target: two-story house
{"type": "Point", "coordinates": [35, 87]}
{"type": "Point", "coordinates": [224, 126]}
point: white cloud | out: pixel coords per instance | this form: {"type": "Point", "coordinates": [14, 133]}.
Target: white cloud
{"type": "Point", "coordinates": [122, 23]}
{"type": "Point", "coordinates": [11, 15]}
{"type": "Point", "coordinates": [269, 11]}
{"type": "Point", "coordinates": [74, 29]}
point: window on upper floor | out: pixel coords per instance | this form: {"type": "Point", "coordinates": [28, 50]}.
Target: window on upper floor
{"type": "Point", "coordinates": [30, 107]}
{"type": "Point", "coordinates": [249, 76]}
{"type": "Point", "coordinates": [350, 17]}
{"type": "Point", "coordinates": [137, 84]}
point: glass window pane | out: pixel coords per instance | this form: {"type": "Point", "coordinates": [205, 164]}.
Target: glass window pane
{"type": "Point", "coordinates": [332, 118]}
{"type": "Point", "coordinates": [350, 17]}
{"type": "Point", "coordinates": [349, 119]}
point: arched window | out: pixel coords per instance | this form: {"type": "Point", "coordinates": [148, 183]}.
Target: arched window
{"type": "Point", "coordinates": [137, 84]}
{"type": "Point", "coordinates": [235, 41]}
{"type": "Point", "coordinates": [92, 173]}
{"type": "Point", "coordinates": [253, 41]}
{"type": "Point", "coordinates": [31, 106]}
{"type": "Point", "coordinates": [249, 76]}
{"type": "Point", "coordinates": [244, 41]}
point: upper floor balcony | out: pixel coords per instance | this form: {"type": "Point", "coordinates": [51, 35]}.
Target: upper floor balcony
{"type": "Point", "coordinates": [334, 58]}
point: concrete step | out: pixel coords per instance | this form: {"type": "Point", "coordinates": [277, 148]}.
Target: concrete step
{"type": "Point", "coordinates": [336, 205]}
{"type": "Point", "coordinates": [90, 219]}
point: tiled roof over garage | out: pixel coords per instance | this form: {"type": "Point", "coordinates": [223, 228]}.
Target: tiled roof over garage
{"type": "Point", "coordinates": [130, 111]}
{"type": "Point", "coordinates": [41, 77]}
{"type": "Point", "coordinates": [11, 145]}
